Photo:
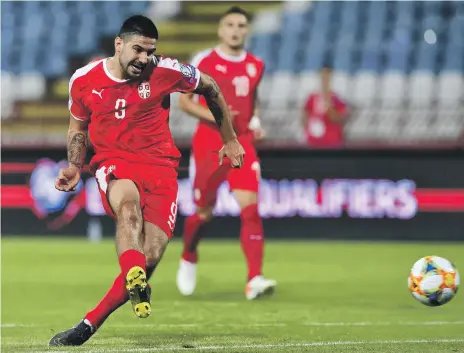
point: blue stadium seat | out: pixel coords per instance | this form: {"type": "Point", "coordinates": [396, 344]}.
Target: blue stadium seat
{"type": "Point", "coordinates": [398, 61]}
{"type": "Point", "coordinates": [370, 61]}
{"type": "Point", "coordinates": [427, 57]}
{"type": "Point", "coordinates": [374, 38]}
{"type": "Point", "coordinates": [377, 13]}
{"type": "Point", "coordinates": [314, 55]}
{"type": "Point", "coordinates": [137, 7]}
{"type": "Point", "coordinates": [346, 40]}
{"type": "Point", "coordinates": [455, 32]}
{"type": "Point", "coordinates": [287, 54]}
{"type": "Point", "coordinates": [349, 16]}
{"type": "Point", "coordinates": [434, 23]}
{"type": "Point", "coordinates": [432, 7]}
{"type": "Point", "coordinates": [322, 11]}
{"type": "Point", "coordinates": [7, 8]}
{"type": "Point", "coordinates": [262, 47]}
{"type": "Point", "coordinates": [402, 36]}
{"type": "Point", "coordinates": [454, 59]}
{"type": "Point", "coordinates": [293, 23]}
{"type": "Point", "coordinates": [342, 60]}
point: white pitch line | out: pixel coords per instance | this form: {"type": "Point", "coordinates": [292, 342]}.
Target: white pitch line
{"type": "Point", "coordinates": [266, 346]}
{"type": "Point", "coordinates": [322, 324]}
{"type": "Point", "coordinates": [418, 323]}
{"type": "Point", "coordinates": [16, 325]}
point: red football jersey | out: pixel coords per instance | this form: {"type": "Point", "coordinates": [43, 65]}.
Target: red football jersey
{"type": "Point", "coordinates": [238, 77]}
{"type": "Point", "coordinates": [129, 119]}
{"type": "Point", "coordinates": [321, 131]}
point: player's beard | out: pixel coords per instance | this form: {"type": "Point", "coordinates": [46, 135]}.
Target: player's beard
{"type": "Point", "coordinates": [131, 71]}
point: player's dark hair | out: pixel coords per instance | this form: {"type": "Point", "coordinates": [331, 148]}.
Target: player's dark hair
{"type": "Point", "coordinates": [139, 25]}
{"type": "Point", "coordinates": [237, 10]}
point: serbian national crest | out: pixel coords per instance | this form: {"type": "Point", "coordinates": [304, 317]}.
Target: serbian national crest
{"type": "Point", "coordinates": [251, 69]}
{"type": "Point", "coordinates": [144, 90]}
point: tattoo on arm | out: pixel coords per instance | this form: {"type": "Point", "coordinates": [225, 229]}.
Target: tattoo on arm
{"type": "Point", "coordinates": [214, 98]}
{"type": "Point", "coordinates": [77, 148]}
{"type": "Point", "coordinates": [217, 105]}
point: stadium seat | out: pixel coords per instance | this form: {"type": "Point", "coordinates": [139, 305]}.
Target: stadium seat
{"type": "Point", "coordinates": [263, 45]}
{"type": "Point", "coordinates": [392, 88]}
{"type": "Point", "coordinates": [288, 54]}
{"type": "Point", "coordinates": [360, 125]}
{"type": "Point", "coordinates": [30, 86]}
{"type": "Point", "coordinates": [309, 82]}
{"type": "Point", "coordinates": [450, 90]}
{"type": "Point", "coordinates": [364, 89]}
{"type": "Point", "coordinates": [421, 89]}
{"type": "Point", "coordinates": [387, 124]}
{"type": "Point", "coordinates": [341, 83]}
{"type": "Point", "coordinates": [349, 16]}
{"type": "Point", "coordinates": [264, 89]}
{"type": "Point", "coordinates": [266, 22]}
{"type": "Point", "coordinates": [8, 96]}
{"type": "Point", "coordinates": [448, 125]}
{"type": "Point", "coordinates": [282, 89]}
{"type": "Point", "coordinates": [315, 54]}
{"type": "Point", "coordinates": [370, 61]}
{"type": "Point", "coordinates": [454, 59]}
{"type": "Point", "coordinates": [416, 127]}
{"type": "Point", "coordinates": [398, 61]}
{"type": "Point", "coordinates": [342, 60]}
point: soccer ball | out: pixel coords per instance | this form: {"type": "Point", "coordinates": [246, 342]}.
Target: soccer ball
{"type": "Point", "coordinates": [433, 280]}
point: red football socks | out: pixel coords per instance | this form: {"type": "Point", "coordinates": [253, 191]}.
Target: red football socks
{"type": "Point", "coordinates": [252, 239]}
{"type": "Point", "coordinates": [131, 258]}
{"type": "Point", "coordinates": [192, 236]}
{"type": "Point", "coordinates": [117, 294]}
{"type": "Point", "coordinates": [115, 297]}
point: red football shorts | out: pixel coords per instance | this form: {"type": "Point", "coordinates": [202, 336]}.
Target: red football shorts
{"type": "Point", "coordinates": [157, 186]}
{"type": "Point", "coordinates": [209, 175]}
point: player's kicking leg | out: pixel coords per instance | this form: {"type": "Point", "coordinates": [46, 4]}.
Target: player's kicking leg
{"type": "Point", "coordinates": [252, 241]}
{"type": "Point", "coordinates": [131, 284]}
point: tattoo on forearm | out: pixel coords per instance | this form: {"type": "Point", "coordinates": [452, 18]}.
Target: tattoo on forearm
{"type": "Point", "coordinates": [77, 148]}
{"type": "Point", "coordinates": [214, 98]}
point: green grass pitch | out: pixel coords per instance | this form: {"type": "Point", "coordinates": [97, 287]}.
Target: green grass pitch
{"type": "Point", "coordinates": [331, 297]}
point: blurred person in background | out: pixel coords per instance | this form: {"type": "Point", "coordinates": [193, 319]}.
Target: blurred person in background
{"type": "Point", "coordinates": [324, 115]}
{"type": "Point", "coordinates": [238, 73]}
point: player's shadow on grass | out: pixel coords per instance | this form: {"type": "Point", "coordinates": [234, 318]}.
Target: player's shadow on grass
{"type": "Point", "coordinates": [218, 296]}
{"type": "Point", "coordinates": [157, 340]}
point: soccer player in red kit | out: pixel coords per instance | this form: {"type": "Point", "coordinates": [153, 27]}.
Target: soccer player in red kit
{"type": "Point", "coordinates": [123, 102]}
{"type": "Point", "coordinates": [324, 115]}
{"type": "Point", "coordinates": [238, 73]}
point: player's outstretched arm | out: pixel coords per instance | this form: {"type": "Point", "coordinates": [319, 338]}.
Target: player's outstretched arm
{"type": "Point", "coordinates": [218, 107]}
{"type": "Point", "coordinates": [69, 177]}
